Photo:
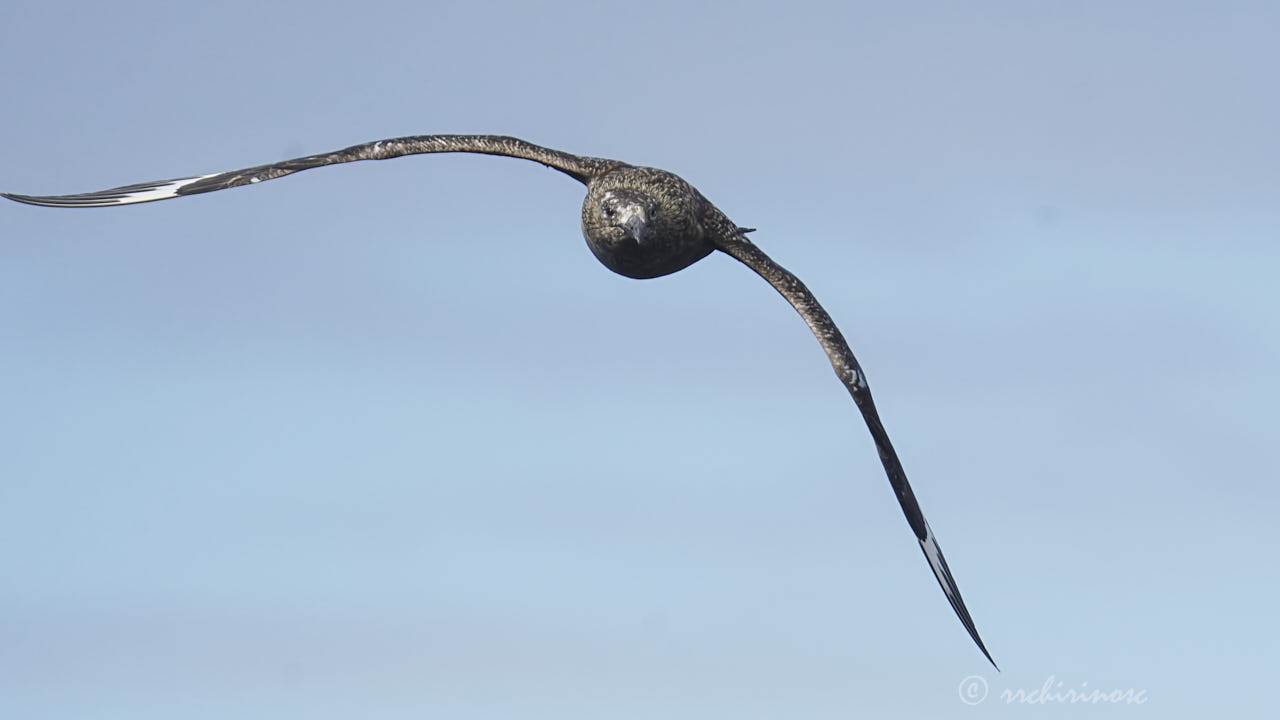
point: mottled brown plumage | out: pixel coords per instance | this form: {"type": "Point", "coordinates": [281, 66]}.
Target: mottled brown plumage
{"type": "Point", "coordinates": [639, 222]}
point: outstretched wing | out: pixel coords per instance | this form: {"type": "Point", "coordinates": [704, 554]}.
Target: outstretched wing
{"type": "Point", "coordinates": [576, 166]}
{"type": "Point", "coordinates": [730, 240]}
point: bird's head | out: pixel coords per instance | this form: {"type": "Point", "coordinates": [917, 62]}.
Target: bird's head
{"type": "Point", "coordinates": [644, 223]}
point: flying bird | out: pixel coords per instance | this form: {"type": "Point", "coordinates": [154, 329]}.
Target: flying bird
{"type": "Point", "coordinates": [639, 222]}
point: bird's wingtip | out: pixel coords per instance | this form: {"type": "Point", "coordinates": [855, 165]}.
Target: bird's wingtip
{"type": "Point", "coordinates": [938, 563]}
{"type": "Point", "coordinates": [987, 655]}
{"type": "Point", "coordinates": [24, 199]}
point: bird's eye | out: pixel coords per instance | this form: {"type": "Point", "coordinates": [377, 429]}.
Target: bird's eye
{"type": "Point", "coordinates": [608, 211]}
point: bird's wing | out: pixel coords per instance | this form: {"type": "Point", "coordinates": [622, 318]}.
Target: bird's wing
{"type": "Point", "coordinates": [576, 166]}
{"type": "Point", "coordinates": [729, 239]}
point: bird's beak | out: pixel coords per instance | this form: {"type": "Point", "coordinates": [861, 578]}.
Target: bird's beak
{"type": "Point", "coordinates": [634, 224]}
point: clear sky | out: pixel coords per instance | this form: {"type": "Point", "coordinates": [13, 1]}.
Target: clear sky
{"type": "Point", "coordinates": [384, 440]}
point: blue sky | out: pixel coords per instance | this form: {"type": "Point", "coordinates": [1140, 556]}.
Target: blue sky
{"type": "Point", "coordinates": [385, 440]}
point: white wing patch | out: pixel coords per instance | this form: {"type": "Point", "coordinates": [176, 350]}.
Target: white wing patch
{"type": "Point", "coordinates": [126, 195]}
{"type": "Point", "coordinates": [934, 555]}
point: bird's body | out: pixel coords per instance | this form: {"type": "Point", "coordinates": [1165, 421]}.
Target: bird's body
{"type": "Point", "coordinates": [639, 222]}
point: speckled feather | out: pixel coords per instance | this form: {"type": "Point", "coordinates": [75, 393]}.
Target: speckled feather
{"type": "Point", "coordinates": [639, 222]}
